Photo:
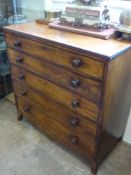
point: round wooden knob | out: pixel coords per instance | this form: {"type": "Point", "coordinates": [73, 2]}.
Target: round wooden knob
{"type": "Point", "coordinates": [19, 59]}
{"type": "Point", "coordinates": [21, 76]}
{"type": "Point", "coordinates": [27, 108]}
{"type": "Point", "coordinates": [17, 43]}
{"type": "Point", "coordinates": [74, 122]}
{"type": "Point", "coordinates": [24, 92]}
{"type": "Point", "coordinates": [75, 83]}
{"type": "Point", "coordinates": [76, 63]}
{"type": "Point", "coordinates": [75, 103]}
{"type": "Point", "coordinates": [74, 140]}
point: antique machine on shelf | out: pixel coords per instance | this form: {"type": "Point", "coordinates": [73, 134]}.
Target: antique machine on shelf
{"type": "Point", "coordinates": [124, 26]}
{"type": "Point", "coordinates": [89, 2]}
{"type": "Point", "coordinates": [88, 17]}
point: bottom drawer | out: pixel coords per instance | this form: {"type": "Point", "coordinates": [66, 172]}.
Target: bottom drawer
{"type": "Point", "coordinates": [56, 131]}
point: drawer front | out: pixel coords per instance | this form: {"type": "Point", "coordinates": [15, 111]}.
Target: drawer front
{"type": "Point", "coordinates": [90, 89]}
{"type": "Point", "coordinates": [80, 143]}
{"type": "Point", "coordinates": [71, 60]}
{"type": "Point", "coordinates": [60, 95]}
{"type": "Point", "coordinates": [67, 118]}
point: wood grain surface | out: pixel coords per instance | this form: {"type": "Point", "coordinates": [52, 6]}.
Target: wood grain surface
{"type": "Point", "coordinates": [87, 88]}
{"type": "Point", "coordinates": [60, 95]}
{"type": "Point", "coordinates": [81, 143]}
{"type": "Point", "coordinates": [58, 56]}
{"type": "Point", "coordinates": [109, 48]}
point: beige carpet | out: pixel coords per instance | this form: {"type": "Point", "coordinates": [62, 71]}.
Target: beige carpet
{"type": "Point", "coordinates": [11, 97]}
{"type": "Point", "coordinates": [25, 151]}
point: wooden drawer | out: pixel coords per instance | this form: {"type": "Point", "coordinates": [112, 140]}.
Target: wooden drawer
{"type": "Point", "coordinates": [67, 118]}
{"type": "Point", "coordinates": [78, 142]}
{"type": "Point", "coordinates": [60, 95]}
{"type": "Point", "coordinates": [72, 60]}
{"type": "Point", "coordinates": [89, 89]}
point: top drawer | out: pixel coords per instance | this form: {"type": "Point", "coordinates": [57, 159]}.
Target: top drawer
{"type": "Point", "coordinates": [75, 61]}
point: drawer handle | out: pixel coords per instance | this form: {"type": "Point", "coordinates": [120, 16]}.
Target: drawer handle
{"type": "Point", "coordinates": [75, 83]}
{"type": "Point", "coordinates": [19, 59]}
{"type": "Point", "coordinates": [27, 108]}
{"type": "Point", "coordinates": [24, 93]}
{"type": "Point", "coordinates": [76, 63]}
{"type": "Point", "coordinates": [17, 43]}
{"type": "Point", "coordinates": [74, 140]}
{"type": "Point", "coordinates": [75, 103]}
{"type": "Point", "coordinates": [74, 122]}
{"type": "Point", "coordinates": [21, 76]}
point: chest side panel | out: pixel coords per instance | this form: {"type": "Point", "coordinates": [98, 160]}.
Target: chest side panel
{"type": "Point", "coordinates": [116, 102]}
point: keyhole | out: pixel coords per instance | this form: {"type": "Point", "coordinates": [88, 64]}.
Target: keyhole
{"type": "Point", "coordinates": [45, 65]}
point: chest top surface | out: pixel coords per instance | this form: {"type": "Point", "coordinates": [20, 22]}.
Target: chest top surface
{"type": "Point", "coordinates": [109, 49]}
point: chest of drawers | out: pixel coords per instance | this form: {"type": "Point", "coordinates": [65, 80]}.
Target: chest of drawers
{"type": "Point", "coordinates": [75, 89]}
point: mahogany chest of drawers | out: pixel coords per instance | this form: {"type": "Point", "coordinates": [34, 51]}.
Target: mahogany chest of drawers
{"type": "Point", "coordinates": [76, 89]}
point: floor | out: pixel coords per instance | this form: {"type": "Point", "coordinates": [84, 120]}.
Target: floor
{"type": "Point", "coordinates": [25, 151]}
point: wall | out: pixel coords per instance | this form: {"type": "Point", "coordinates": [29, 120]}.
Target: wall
{"type": "Point", "coordinates": [32, 9]}
{"type": "Point", "coordinates": [127, 135]}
